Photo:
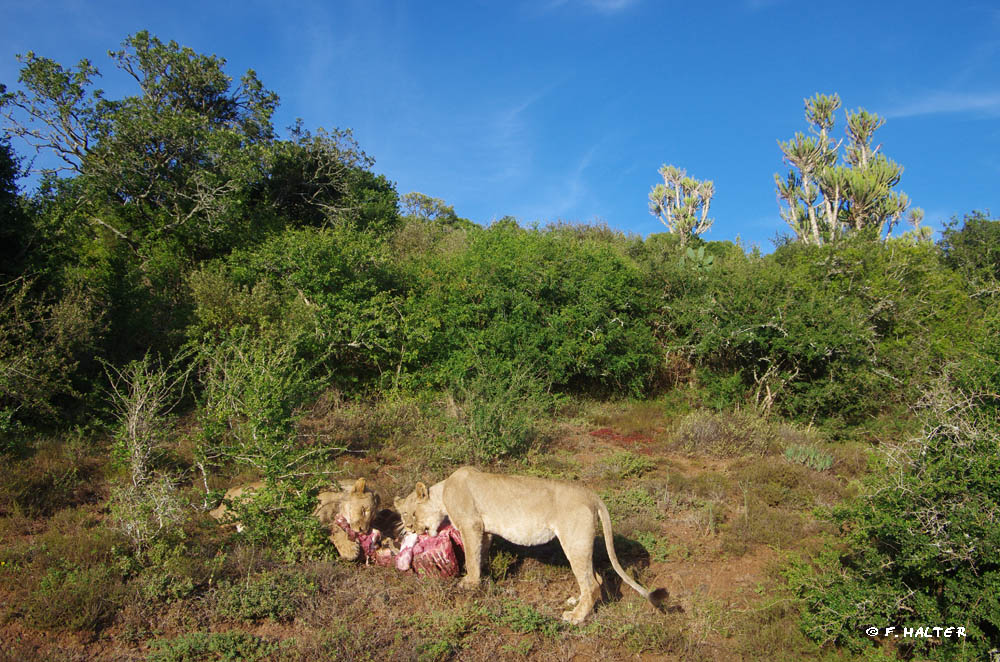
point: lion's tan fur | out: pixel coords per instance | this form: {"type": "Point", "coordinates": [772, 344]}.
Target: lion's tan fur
{"type": "Point", "coordinates": [523, 510]}
{"type": "Point", "coordinates": [354, 501]}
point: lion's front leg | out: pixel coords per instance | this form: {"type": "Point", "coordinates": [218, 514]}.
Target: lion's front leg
{"type": "Point", "coordinates": [349, 549]}
{"type": "Point", "coordinates": [472, 537]}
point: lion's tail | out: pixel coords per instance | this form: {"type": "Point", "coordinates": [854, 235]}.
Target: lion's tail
{"type": "Point", "coordinates": [657, 596]}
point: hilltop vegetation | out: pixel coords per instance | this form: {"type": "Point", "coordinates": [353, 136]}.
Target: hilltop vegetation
{"type": "Point", "coordinates": [192, 301]}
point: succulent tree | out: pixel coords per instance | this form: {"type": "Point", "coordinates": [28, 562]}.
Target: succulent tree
{"type": "Point", "coordinates": [681, 203]}
{"type": "Point", "coordinates": [822, 199]}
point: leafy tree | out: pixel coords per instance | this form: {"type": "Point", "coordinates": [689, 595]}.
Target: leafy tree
{"type": "Point", "coordinates": [681, 203]}
{"type": "Point", "coordinates": [323, 179]}
{"type": "Point", "coordinates": [185, 170]}
{"type": "Point", "coordinates": [170, 162]}
{"type": "Point", "coordinates": [974, 251]}
{"type": "Point", "coordinates": [425, 207]}
{"type": "Point", "coordinates": [14, 228]}
{"type": "Point", "coordinates": [826, 200]}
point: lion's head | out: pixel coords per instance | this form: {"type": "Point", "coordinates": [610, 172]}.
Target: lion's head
{"type": "Point", "coordinates": [418, 512]}
{"type": "Point", "coordinates": [357, 505]}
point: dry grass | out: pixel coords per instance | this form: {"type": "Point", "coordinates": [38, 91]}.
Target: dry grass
{"type": "Point", "coordinates": [699, 509]}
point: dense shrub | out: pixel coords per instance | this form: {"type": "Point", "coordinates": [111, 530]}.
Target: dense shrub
{"type": "Point", "coordinates": [832, 331]}
{"type": "Point", "coordinates": [41, 346]}
{"type": "Point", "coordinates": [329, 293]}
{"type": "Point", "coordinates": [210, 646]}
{"type": "Point", "coordinates": [570, 304]}
{"type": "Point", "coordinates": [501, 405]}
{"type": "Point", "coordinates": [923, 541]}
{"type": "Point", "coordinates": [974, 252]}
{"type": "Point", "coordinates": [274, 595]}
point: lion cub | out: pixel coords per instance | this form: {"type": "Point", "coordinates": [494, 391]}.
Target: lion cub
{"type": "Point", "coordinates": [525, 511]}
{"type": "Point", "coordinates": [354, 502]}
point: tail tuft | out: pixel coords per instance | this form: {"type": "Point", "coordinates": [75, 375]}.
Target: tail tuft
{"type": "Point", "coordinates": [658, 596]}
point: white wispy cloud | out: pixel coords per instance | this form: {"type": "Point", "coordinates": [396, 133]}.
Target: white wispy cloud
{"type": "Point", "coordinates": [566, 193]}
{"type": "Point", "coordinates": [602, 6]}
{"type": "Point", "coordinates": [940, 103]}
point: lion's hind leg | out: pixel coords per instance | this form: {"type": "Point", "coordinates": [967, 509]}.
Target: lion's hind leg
{"type": "Point", "coordinates": [579, 549]}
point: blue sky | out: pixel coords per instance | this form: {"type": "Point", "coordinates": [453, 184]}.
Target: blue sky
{"type": "Point", "coordinates": [564, 109]}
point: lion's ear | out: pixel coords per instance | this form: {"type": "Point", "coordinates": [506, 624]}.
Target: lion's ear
{"type": "Point", "coordinates": [359, 486]}
{"type": "Point", "coordinates": [421, 491]}
{"type": "Point", "coordinates": [377, 499]}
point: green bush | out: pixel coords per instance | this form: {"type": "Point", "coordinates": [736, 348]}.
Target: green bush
{"type": "Point", "coordinates": [330, 294]}
{"type": "Point", "coordinates": [41, 347]}
{"type": "Point", "coordinates": [252, 389]}
{"type": "Point", "coordinates": [275, 595]}
{"type": "Point", "coordinates": [923, 539]}
{"type": "Point", "coordinates": [279, 515]}
{"type": "Point", "coordinates": [525, 618]}
{"type": "Point", "coordinates": [69, 597]}
{"type": "Point", "coordinates": [569, 303]}
{"type": "Point", "coordinates": [835, 331]}
{"type": "Point", "coordinates": [501, 406]}
{"type": "Point", "coordinates": [212, 647]}
{"type": "Point", "coordinates": [626, 464]}
{"type": "Point", "coordinates": [974, 252]}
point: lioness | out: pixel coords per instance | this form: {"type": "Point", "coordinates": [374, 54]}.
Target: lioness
{"type": "Point", "coordinates": [525, 511]}
{"type": "Point", "coordinates": [354, 502]}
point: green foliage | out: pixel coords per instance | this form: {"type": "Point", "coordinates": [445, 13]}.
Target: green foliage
{"type": "Point", "coordinates": [274, 595]}
{"type": "Point", "coordinates": [805, 338]}
{"type": "Point", "coordinates": [252, 387]}
{"type": "Point", "coordinates": [501, 406]}
{"type": "Point", "coordinates": [571, 305]}
{"type": "Point", "coordinates": [626, 464]}
{"type": "Point", "coordinates": [212, 646]}
{"type": "Point", "coordinates": [280, 516]}
{"type": "Point", "coordinates": [328, 293]}
{"type": "Point", "coordinates": [810, 456]}
{"type": "Point", "coordinates": [183, 171]}
{"type": "Point", "coordinates": [974, 252]}
{"type": "Point", "coordinates": [15, 233]}
{"type": "Point", "coordinates": [826, 201]}
{"type": "Point", "coordinates": [147, 512]}
{"type": "Point", "coordinates": [41, 346]}
{"type": "Point", "coordinates": [697, 259]}
{"type": "Point", "coordinates": [434, 211]}
{"type": "Point", "coordinates": [175, 568]}
{"type": "Point", "coordinates": [625, 503]}
{"type": "Point", "coordinates": [445, 632]}
{"type": "Point", "coordinates": [657, 546]}
{"type": "Point", "coordinates": [923, 539]}
{"type": "Point", "coordinates": [74, 598]}
{"type": "Point", "coordinates": [525, 618]}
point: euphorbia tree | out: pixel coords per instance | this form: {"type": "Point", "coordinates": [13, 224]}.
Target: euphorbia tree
{"type": "Point", "coordinates": [824, 200]}
{"type": "Point", "coordinates": [681, 203]}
